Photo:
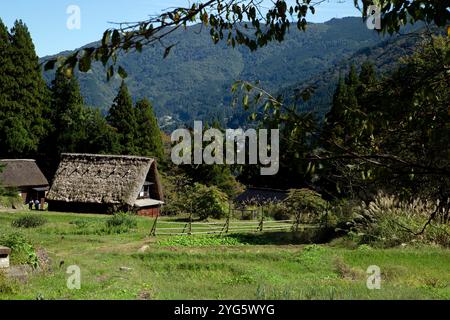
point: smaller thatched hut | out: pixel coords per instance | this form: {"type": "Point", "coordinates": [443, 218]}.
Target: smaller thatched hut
{"type": "Point", "coordinates": [25, 177]}
{"type": "Point", "coordinates": [89, 183]}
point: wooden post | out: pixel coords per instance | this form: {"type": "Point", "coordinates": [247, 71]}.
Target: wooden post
{"type": "Point", "coordinates": [226, 226]}
{"type": "Point", "coordinates": [261, 222]}
{"type": "Point", "coordinates": [153, 231]}
{"type": "Point", "coordinates": [297, 222]}
{"type": "Point", "coordinates": [190, 224]}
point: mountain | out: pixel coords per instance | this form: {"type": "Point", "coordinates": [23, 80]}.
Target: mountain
{"type": "Point", "coordinates": [385, 55]}
{"type": "Point", "coordinates": [194, 81]}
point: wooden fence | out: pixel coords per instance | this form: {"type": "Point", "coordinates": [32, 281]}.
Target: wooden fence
{"type": "Point", "coordinates": [173, 228]}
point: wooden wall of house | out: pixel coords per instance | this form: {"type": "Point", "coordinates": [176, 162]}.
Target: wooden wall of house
{"type": "Point", "coordinates": [24, 195]}
{"type": "Point", "coordinates": [152, 212]}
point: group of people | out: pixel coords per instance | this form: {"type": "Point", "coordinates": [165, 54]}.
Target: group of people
{"type": "Point", "coordinates": [34, 203]}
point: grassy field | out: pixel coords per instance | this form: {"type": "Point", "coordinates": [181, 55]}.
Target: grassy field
{"type": "Point", "coordinates": [237, 267]}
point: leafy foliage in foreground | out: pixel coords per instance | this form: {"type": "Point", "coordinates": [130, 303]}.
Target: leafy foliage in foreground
{"type": "Point", "coordinates": [22, 251]}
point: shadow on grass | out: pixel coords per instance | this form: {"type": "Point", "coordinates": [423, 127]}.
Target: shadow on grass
{"type": "Point", "coordinates": [308, 236]}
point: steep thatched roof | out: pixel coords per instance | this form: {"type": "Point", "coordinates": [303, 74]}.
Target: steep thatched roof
{"type": "Point", "coordinates": [21, 173]}
{"type": "Point", "coordinates": [103, 179]}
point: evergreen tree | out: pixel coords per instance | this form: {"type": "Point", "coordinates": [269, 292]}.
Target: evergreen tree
{"type": "Point", "coordinates": [333, 126]}
{"type": "Point", "coordinates": [121, 116]}
{"type": "Point", "coordinates": [23, 93]}
{"type": "Point", "coordinates": [344, 121]}
{"type": "Point", "coordinates": [346, 126]}
{"type": "Point", "coordinates": [100, 136]}
{"type": "Point", "coordinates": [148, 136]}
{"type": "Point", "coordinates": [67, 115]}
{"type": "Point", "coordinates": [367, 75]}
{"type": "Point", "coordinates": [352, 79]}
{"type": "Point", "coordinates": [6, 65]}
{"type": "Point", "coordinates": [6, 85]}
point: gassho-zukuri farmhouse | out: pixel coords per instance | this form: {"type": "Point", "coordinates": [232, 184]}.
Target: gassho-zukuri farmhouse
{"type": "Point", "coordinates": [88, 183]}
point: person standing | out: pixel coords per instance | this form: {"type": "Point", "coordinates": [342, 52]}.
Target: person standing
{"type": "Point", "coordinates": [36, 204]}
{"type": "Point", "coordinates": [30, 204]}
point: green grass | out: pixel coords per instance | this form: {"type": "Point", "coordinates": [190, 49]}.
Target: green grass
{"type": "Point", "coordinates": [270, 266]}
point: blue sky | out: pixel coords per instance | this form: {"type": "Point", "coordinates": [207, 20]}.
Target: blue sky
{"type": "Point", "coordinates": [47, 19]}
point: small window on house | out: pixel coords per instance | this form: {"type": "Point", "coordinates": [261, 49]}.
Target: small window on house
{"type": "Point", "coordinates": [145, 191]}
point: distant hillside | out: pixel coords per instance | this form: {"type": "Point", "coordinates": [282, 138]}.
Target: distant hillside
{"type": "Point", "coordinates": [194, 81]}
{"type": "Point", "coordinates": [385, 55]}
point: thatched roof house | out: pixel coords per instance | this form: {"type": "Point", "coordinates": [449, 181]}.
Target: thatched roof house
{"type": "Point", "coordinates": [105, 184]}
{"type": "Point", "coordinates": [25, 177]}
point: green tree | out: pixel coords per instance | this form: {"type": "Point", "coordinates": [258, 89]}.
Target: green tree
{"type": "Point", "coordinates": [333, 125]}
{"type": "Point", "coordinates": [199, 201]}
{"type": "Point", "coordinates": [6, 85]}
{"type": "Point", "coordinates": [409, 120]}
{"type": "Point", "coordinates": [148, 136]}
{"type": "Point", "coordinates": [219, 175]}
{"type": "Point", "coordinates": [100, 136]}
{"type": "Point", "coordinates": [75, 128]}
{"type": "Point", "coordinates": [367, 75]}
{"type": "Point", "coordinates": [67, 115]}
{"type": "Point", "coordinates": [23, 94]}
{"type": "Point", "coordinates": [122, 117]}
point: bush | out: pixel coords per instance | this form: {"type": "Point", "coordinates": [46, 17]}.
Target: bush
{"type": "Point", "coordinates": [306, 203]}
{"type": "Point", "coordinates": [11, 200]}
{"type": "Point", "coordinates": [201, 201]}
{"type": "Point", "coordinates": [81, 223]}
{"type": "Point", "coordinates": [120, 222]}
{"type": "Point", "coordinates": [29, 221]}
{"type": "Point", "coordinates": [386, 221]}
{"type": "Point", "coordinates": [22, 251]}
{"type": "Point", "coordinates": [209, 202]}
{"type": "Point", "coordinates": [279, 212]}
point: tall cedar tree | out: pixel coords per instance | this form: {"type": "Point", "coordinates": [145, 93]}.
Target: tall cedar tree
{"type": "Point", "coordinates": [121, 116]}
{"type": "Point", "coordinates": [67, 115]}
{"type": "Point", "coordinates": [6, 85]}
{"type": "Point", "coordinates": [23, 94]}
{"type": "Point", "coordinates": [100, 136]}
{"type": "Point", "coordinates": [148, 140]}
{"type": "Point", "coordinates": [343, 123]}
{"type": "Point", "coordinates": [344, 127]}
{"type": "Point", "coordinates": [77, 128]}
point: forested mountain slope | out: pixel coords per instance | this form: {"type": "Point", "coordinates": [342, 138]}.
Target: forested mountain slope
{"type": "Point", "coordinates": [194, 81]}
